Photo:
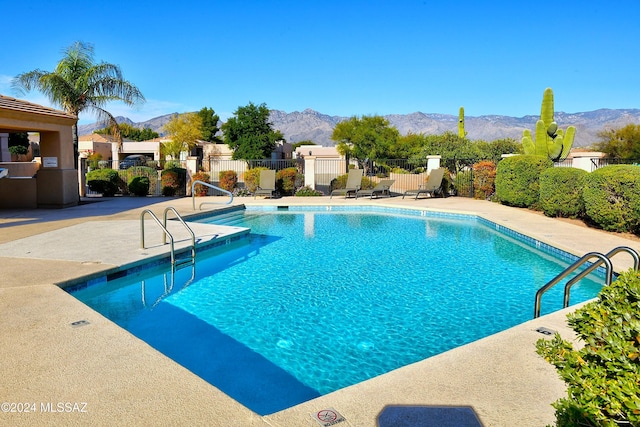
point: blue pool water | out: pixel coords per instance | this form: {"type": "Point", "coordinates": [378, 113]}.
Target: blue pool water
{"type": "Point", "coordinates": [314, 301]}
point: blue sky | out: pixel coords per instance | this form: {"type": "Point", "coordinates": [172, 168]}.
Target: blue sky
{"type": "Point", "coordinates": [344, 57]}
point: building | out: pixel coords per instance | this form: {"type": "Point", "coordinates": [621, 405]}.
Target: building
{"type": "Point", "coordinates": [50, 180]}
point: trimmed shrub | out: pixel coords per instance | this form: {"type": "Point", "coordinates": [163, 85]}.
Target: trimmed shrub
{"type": "Point", "coordinates": [104, 181]}
{"type": "Point", "coordinates": [612, 198]}
{"type": "Point", "coordinates": [462, 183]}
{"type": "Point", "coordinates": [228, 180]}
{"type": "Point", "coordinates": [139, 185]}
{"type": "Point", "coordinates": [173, 181]}
{"type": "Point", "coordinates": [518, 180]}
{"type": "Point", "coordinates": [286, 180]}
{"type": "Point", "coordinates": [308, 191]}
{"type": "Point", "coordinates": [252, 178]}
{"type": "Point", "coordinates": [341, 182]}
{"type": "Point", "coordinates": [603, 377]}
{"type": "Point", "coordinates": [128, 174]}
{"type": "Point", "coordinates": [484, 179]}
{"type": "Point", "coordinates": [561, 192]}
{"type": "Point", "coordinates": [200, 190]}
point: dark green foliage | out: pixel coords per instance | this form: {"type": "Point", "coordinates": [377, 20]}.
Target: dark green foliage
{"type": "Point", "coordinates": [287, 180]}
{"type": "Point", "coordinates": [130, 132]}
{"type": "Point", "coordinates": [603, 377]}
{"type": "Point", "coordinates": [612, 198]}
{"type": "Point", "coordinates": [139, 185]}
{"type": "Point", "coordinates": [250, 134]}
{"type": "Point", "coordinates": [561, 192]}
{"type": "Point", "coordinates": [518, 180]}
{"type": "Point", "coordinates": [104, 181]}
{"type": "Point", "coordinates": [174, 181]}
{"type": "Point", "coordinates": [19, 143]}
{"type": "Point", "coordinates": [308, 191]}
{"type": "Point", "coordinates": [209, 124]}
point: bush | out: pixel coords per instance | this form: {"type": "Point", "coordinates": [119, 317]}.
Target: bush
{"type": "Point", "coordinates": [104, 181]}
{"type": "Point", "coordinates": [173, 181]}
{"type": "Point", "coordinates": [518, 180]}
{"type": "Point", "coordinates": [139, 185]}
{"type": "Point", "coordinates": [200, 190]}
{"type": "Point", "coordinates": [462, 183]}
{"type": "Point", "coordinates": [561, 192]}
{"type": "Point", "coordinates": [603, 377]}
{"type": "Point", "coordinates": [484, 179]}
{"type": "Point", "coordinates": [228, 180]}
{"type": "Point", "coordinates": [612, 198]}
{"type": "Point", "coordinates": [308, 191]}
{"type": "Point", "coordinates": [286, 180]}
{"type": "Point", "coordinates": [252, 178]}
{"type": "Point", "coordinates": [341, 182]}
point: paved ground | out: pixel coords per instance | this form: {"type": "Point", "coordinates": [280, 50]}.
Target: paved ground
{"type": "Point", "coordinates": [98, 374]}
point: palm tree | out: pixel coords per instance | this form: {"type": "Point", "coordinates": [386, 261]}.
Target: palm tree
{"type": "Point", "coordinates": [78, 85]}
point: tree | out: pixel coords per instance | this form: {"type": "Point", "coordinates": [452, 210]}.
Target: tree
{"type": "Point", "coordinates": [623, 143]}
{"type": "Point", "coordinates": [78, 84]}
{"type": "Point", "coordinates": [209, 124]}
{"type": "Point", "coordinates": [369, 137]}
{"type": "Point", "coordinates": [250, 134]}
{"type": "Point", "coordinates": [184, 130]}
{"type": "Point", "coordinates": [130, 132]}
{"type": "Point", "coordinates": [455, 152]}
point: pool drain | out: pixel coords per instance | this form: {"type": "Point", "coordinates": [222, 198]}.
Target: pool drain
{"type": "Point", "coordinates": [79, 323]}
{"type": "Point", "coordinates": [545, 331]}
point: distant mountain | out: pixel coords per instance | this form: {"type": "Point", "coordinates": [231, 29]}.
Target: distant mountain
{"type": "Point", "coordinates": [317, 127]}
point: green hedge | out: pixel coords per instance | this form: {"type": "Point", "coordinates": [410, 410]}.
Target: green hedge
{"type": "Point", "coordinates": [561, 192]}
{"type": "Point", "coordinates": [612, 198]}
{"type": "Point", "coordinates": [603, 377]}
{"type": "Point", "coordinates": [518, 180]}
{"type": "Point", "coordinates": [139, 185]}
{"type": "Point", "coordinates": [104, 181]}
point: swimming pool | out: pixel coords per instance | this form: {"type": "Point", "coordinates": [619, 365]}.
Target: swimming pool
{"type": "Point", "coordinates": [315, 300]}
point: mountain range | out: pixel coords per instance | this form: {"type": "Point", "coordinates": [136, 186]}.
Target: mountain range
{"type": "Point", "coordinates": [317, 127]}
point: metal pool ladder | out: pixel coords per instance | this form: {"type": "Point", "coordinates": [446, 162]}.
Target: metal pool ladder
{"type": "Point", "coordinates": [163, 226]}
{"type": "Point", "coordinates": [602, 259]}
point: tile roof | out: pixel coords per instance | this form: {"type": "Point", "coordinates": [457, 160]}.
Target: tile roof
{"type": "Point", "coordinates": [8, 103]}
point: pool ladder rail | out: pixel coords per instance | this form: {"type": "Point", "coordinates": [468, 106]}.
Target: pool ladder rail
{"type": "Point", "coordinates": [163, 225]}
{"type": "Point", "coordinates": [601, 259]}
{"type": "Point", "coordinates": [206, 184]}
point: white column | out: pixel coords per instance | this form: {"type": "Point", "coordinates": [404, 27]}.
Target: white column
{"type": "Point", "coordinates": [433, 162]}
{"type": "Point", "coordinates": [310, 171]}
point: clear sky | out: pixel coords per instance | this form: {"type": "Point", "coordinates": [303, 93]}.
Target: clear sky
{"type": "Point", "coordinates": [346, 57]}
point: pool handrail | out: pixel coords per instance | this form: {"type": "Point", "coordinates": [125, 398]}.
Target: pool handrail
{"type": "Point", "coordinates": [593, 266]}
{"type": "Point", "coordinates": [193, 194]}
{"type": "Point", "coordinates": [569, 270]}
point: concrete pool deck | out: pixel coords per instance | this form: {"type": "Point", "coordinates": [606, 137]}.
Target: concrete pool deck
{"type": "Point", "coordinates": [63, 363]}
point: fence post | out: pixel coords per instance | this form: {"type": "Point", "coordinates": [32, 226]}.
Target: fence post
{"type": "Point", "coordinates": [433, 162]}
{"type": "Point", "coordinates": [310, 171]}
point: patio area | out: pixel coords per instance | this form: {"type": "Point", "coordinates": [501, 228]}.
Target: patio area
{"type": "Point", "coordinates": [69, 365]}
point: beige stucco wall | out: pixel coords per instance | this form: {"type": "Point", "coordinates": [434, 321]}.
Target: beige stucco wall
{"type": "Point", "coordinates": [56, 182]}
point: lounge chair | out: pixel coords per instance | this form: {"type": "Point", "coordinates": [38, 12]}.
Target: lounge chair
{"type": "Point", "coordinates": [267, 185]}
{"type": "Point", "coordinates": [379, 190]}
{"type": "Point", "coordinates": [433, 186]}
{"type": "Point", "coordinates": [354, 180]}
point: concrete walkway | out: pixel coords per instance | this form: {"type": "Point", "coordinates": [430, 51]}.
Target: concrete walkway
{"type": "Point", "coordinates": [72, 366]}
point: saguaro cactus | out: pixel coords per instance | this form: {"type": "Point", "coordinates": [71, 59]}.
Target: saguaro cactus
{"type": "Point", "coordinates": [549, 141]}
{"type": "Point", "coordinates": [461, 132]}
